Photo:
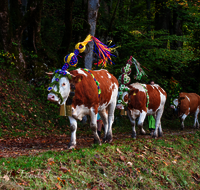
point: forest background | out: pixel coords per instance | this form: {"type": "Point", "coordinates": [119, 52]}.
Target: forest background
{"type": "Point", "coordinates": [163, 35]}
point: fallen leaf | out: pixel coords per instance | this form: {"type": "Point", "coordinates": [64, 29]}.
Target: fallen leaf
{"type": "Point", "coordinates": [122, 158]}
{"type": "Point", "coordinates": [64, 169]}
{"type": "Point", "coordinates": [6, 178]}
{"type": "Point", "coordinates": [119, 151]}
{"type": "Point", "coordinates": [78, 161]}
{"type": "Point", "coordinates": [174, 162]}
{"type": "Point", "coordinates": [58, 186]}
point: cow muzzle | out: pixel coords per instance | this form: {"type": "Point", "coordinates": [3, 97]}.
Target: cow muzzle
{"type": "Point", "coordinates": [51, 98]}
{"type": "Point", "coordinates": [172, 107]}
{"type": "Point", "coordinates": [119, 106]}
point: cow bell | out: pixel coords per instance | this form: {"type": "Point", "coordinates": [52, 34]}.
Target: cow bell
{"type": "Point", "coordinates": [62, 110]}
{"type": "Point", "coordinates": [123, 112]}
{"type": "Point", "coordinates": [66, 110]}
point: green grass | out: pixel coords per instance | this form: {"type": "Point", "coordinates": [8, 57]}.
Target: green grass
{"type": "Point", "coordinates": [170, 163]}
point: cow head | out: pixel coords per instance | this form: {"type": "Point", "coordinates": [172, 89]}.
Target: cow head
{"type": "Point", "coordinates": [122, 97]}
{"type": "Point", "coordinates": [59, 89]}
{"type": "Point", "coordinates": [174, 104]}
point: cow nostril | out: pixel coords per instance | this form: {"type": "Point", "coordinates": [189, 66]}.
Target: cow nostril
{"type": "Point", "coordinates": [52, 97]}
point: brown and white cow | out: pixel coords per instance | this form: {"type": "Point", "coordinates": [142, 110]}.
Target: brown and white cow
{"type": "Point", "coordinates": [185, 104]}
{"type": "Point", "coordinates": [87, 102]}
{"type": "Point", "coordinates": [137, 100]}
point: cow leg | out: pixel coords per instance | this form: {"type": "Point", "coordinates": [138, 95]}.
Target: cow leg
{"type": "Point", "coordinates": [182, 121]}
{"type": "Point", "coordinates": [93, 125]}
{"type": "Point", "coordinates": [158, 129]}
{"type": "Point", "coordinates": [196, 122]}
{"type": "Point", "coordinates": [73, 126]}
{"type": "Point", "coordinates": [104, 117]}
{"type": "Point", "coordinates": [141, 121]}
{"type": "Point", "coordinates": [132, 120]}
{"type": "Point", "coordinates": [111, 109]}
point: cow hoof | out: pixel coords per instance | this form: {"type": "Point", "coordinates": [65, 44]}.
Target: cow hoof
{"type": "Point", "coordinates": [133, 136]}
{"type": "Point", "coordinates": [70, 147]}
{"type": "Point", "coordinates": [160, 134]}
{"type": "Point", "coordinates": [97, 141]}
{"type": "Point", "coordinates": [154, 135]}
{"type": "Point", "coordinates": [107, 140]}
{"type": "Point", "coordinates": [142, 132]}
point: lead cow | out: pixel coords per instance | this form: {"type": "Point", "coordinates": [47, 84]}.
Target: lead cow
{"type": "Point", "coordinates": [185, 104]}
{"type": "Point", "coordinates": [139, 97]}
{"type": "Point", "coordinates": [86, 100]}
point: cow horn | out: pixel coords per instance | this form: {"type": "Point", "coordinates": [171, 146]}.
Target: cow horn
{"type": "Point", "coordinates": [49, 73]}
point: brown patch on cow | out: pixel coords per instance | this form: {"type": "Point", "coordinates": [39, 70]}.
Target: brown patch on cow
{"type": "Point", "coordinates": [76, 79]}
{"type": "Point", "coordinates": [162, 91]}
{"type": "Point", "coordinates": [137, 101]}
{"type": "Point", "coordinates": [154, 97]}
{"type": "Point", "coordinates": [184, 104]}
{"type": "Point", "coordinates": [87, 91]}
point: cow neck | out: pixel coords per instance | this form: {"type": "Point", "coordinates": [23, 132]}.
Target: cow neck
{"type": "Point", "coordinates": [146, 95]}
{"type": "Point", "coordinates": [71, 95]}
{"type": "Point", "coordinates": [97, 83]}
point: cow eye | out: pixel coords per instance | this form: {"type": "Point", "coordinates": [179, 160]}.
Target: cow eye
{"type": "Point", "coordinates": [63, 84]}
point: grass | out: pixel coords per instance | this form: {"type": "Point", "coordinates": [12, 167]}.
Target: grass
{"type": "Point", "coordinates": [170, 163]}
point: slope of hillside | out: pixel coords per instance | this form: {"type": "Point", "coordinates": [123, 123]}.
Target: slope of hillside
{"type": "Point", "coordinates": [24, 109]}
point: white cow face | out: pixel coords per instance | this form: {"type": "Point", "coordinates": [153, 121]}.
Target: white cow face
{"type": "Point", "coordinates": [60, 89]}
{"type": "Point", "coordinates": [175, 104]}
{"type": "Point", "coordinates": [121, 100]}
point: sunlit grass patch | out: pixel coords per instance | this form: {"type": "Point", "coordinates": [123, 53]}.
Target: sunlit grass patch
{"type": "Point", "coordinates": [170, 163]}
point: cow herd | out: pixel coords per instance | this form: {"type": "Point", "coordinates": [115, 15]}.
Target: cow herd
{"type": "Point", "coordinates": [97, 92]}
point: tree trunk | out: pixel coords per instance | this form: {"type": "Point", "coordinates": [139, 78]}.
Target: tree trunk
{"type": "Point", "coordinates": [177, 27]}
{"type": "Point", "coordinates": [93, 7]}
{"type": "Point", "coordinates": [5, 25]}
{"type": "Point", "coordinates": [37, 41]}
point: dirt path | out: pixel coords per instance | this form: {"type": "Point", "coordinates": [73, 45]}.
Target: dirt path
{"type": "Point", "coordinates": [33, 146]}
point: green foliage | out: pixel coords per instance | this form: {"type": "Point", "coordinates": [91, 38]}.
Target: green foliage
{"type": "Point", "coordinates": [7, 58]}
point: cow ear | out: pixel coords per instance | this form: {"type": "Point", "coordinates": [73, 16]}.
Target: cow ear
{"type": "Point", "coordinates": [130, 87]}
{"type": "Point", "coordinates": [76, 79]}
{"type": "Point", "coordinates": [134, 92]}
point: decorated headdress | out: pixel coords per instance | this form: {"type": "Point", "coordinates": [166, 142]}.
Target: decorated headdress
{"type": "Point", "coordinates": [102, 50]}
{"type": "Point", "coordinates": [124, 78]}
